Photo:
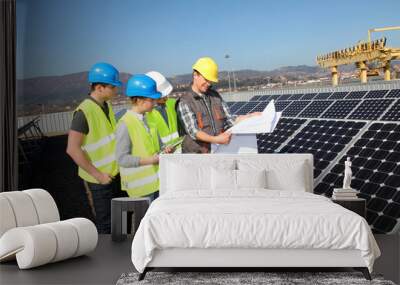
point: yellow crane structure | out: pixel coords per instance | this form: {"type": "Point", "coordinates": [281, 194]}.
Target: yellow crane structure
{"type": "Point", "coordinates": [361, 54]}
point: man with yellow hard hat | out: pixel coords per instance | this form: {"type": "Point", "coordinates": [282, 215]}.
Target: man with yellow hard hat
{"type": "Point", "coordinates": [203, 113]}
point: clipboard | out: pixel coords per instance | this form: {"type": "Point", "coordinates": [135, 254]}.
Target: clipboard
{"type": "Point", "coordinates": [175, 144]}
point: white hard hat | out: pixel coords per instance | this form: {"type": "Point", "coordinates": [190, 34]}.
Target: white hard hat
{"type": "Point", "coordinates": [163, 85]}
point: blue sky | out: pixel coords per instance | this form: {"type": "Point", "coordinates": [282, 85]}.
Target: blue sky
{"type": "Point", "coordinates": [56, 37]}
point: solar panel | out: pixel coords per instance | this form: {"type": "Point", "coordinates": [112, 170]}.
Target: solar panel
{"type": "Point", "coordinates": [315, 109]}
{"type": "Point", "coordinates": [230, 104]}
{"type": "Point", "coordinates": [324, 139]}
{"type": "Point", "coordinates": [393, 114]}
{"type": "Point", "coordinates": [264, 98]}
{"type": "Point", "coordinates": [308, 96]}
{"type": "Point", "coordinates": [255, 98]}
{"type": "Point", "coordinates": [370, 109]}
{"type": "Point", "coordinates": [323, 96]}
{"type": "Point", "coordinates": [268, 143]}
{"type": "Point", "coordinates": [376, 174]}
{"type": "Point", "coordinates": [246, 108]}
{"type": "Point", "coordinates": [295, 108]}
{"type": "Point", "coordinates": [274, 97]}
{"type": "Point", "coordinates": [237, 106]}
{"type": "Point", "coordinates": [340, 109]}
{"type": "Point", "coordinates": [296, 96]}
{"type": "Point", "coordinates": [394, 93]}
{"type": "Point", "coordinates": [338, 95]}
{"type": "Point", "coordinates": [281, 105]}
{"type": "Point", "coordinates": [260, 107]}
{"type": "Point", "coordinates": [376, 94]}
{"type": "Point", "coordinates": [356, 95]}
{"type": "Point", "coordinates": [284, 97]}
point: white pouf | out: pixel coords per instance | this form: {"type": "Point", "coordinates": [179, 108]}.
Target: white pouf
{"type": "Point", "coordinates": [31, 231]}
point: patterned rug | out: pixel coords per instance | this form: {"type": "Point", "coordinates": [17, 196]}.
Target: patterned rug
{"type": "Point", "coordinates": [243, 278]}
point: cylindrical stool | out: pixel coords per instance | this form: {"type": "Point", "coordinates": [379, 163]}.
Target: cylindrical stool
{"type": "Point", "coordinates": [120, 205]}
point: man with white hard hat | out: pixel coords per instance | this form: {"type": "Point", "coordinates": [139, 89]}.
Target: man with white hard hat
{"type": "Point", "coordinates": [163, 117]}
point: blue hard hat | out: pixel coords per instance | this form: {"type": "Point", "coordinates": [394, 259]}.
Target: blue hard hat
{"type": "Point", "coordinates": [141, 85]}
{"type": "Point", "coordinates": [103, 72]}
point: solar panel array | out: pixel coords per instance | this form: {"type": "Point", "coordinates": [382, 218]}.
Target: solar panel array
{"type": "Point", "coordinates": [315, 109]}
{"type": "Point", "coordinates": [394, 93]}
{"type": "Point", "coordinates": [393, 114]}
{"type": "Point", "coordinates": [269, 143]}
{"type": "Point", "coordinates": [324, 139]}
{"type": "Point", "coordinates": [340, 109]}
{"type": "Point", "coordinates": [370, 109]}
{"type": "Point", "coordinates": [376, 174]}
{"type": "Point", "coordinates": [295, 108]}
{"type": "Point", "coordinates": [362, 125]}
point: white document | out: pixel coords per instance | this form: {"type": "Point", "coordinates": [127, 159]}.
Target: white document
{"type": "Point", "coordinates": [264, 123]}
{"type": "Point", "coordinates": [244, 138]}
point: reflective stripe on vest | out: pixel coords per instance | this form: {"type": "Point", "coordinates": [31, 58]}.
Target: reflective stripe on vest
{"type": "Point", "coordinates": [169, 138]}
{"type": "Point", "coordinates": [168, 132]}
{"type": "Point", "coordinates": [104, 161]}
{"type": "Point", "coordinates": [142, 180]}
{"type": "Point", "coordinates": [99, 143]}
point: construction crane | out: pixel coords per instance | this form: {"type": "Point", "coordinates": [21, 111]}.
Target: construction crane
{"type": "Point", "coordinates": [361, 55]}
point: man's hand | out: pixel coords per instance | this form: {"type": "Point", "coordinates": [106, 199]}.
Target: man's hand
{"type": "Point", "coordinates": [223, 138]}
{"type": "Point", "coordinates": [169, 149]}
{"type": "Point", "coordinates": [103, 178]}
{"type": "Point", "coordinates": [155, 159]}
{"type": "Point", "coordinates": [255, 114]}
{"type": "Point", "coordinates": [74, 150]}
{"type": "Point", "coordinates": [149, 160]}
{"type": "Point", "coordinates": [244, 117]}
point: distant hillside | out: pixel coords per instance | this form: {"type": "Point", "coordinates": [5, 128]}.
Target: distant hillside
{"type": "Point", "coordinates": [55, 90]}
{"type": "Point", "coordinates": [248, 73]}
{"type": "Point", "coordinates": [57, 93]}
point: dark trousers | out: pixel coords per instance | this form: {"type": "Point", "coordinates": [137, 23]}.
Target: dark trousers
{"type": "Point", "coordinates": [153, 196]}
{"type": "Point", "coordinates": [99, 197]}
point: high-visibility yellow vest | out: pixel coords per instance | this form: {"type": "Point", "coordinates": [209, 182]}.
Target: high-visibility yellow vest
{"type": "Point", "coordinates": [99, 143]}
{"type": "Point", "coordinates": [168, 132]}
{"type": "Point", "coordinates": [142, 180]}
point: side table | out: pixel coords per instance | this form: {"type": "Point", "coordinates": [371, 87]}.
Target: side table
{"type": "Point", "coordinates": [120, 207]}
{"type": "Point", "coordinates": [357, 205]}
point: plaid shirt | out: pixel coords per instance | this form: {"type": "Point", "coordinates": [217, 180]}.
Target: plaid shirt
{"type": "Point", "coordinates": [189, 120]}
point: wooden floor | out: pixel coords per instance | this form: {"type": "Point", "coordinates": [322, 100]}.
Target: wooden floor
{"type": "Point", "coordinates": [110, 259]}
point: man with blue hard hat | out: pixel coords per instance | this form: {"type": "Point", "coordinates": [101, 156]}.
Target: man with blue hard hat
{"type": "Point", "coordinates": [138, 143]}
{"type": "Point", "coordinates": [91, 142]}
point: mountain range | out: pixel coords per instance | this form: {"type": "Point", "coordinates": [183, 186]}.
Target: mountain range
{"type": "Point", "coordinates": [70, 89]}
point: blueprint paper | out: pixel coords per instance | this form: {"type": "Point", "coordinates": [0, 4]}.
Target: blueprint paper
{"type": "Point", "coordinates": [264, 123]}
{"type": "Point", "coordinates": [244, 138]}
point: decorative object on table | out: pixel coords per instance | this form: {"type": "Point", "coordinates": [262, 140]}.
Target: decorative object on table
{"type": "Point", "coordinates": [345, 193]}
{"type": "Point", "coordinates": [347, 174]}
{"type": "Point", "coordinates": [32, 233]}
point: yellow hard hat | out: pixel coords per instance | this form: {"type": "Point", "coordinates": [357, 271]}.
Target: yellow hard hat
{"type": "Point", "coordinates": [207, 67]}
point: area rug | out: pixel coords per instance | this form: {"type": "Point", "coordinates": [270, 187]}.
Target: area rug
{"type": "Point", "coordinates": [243, 278]}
